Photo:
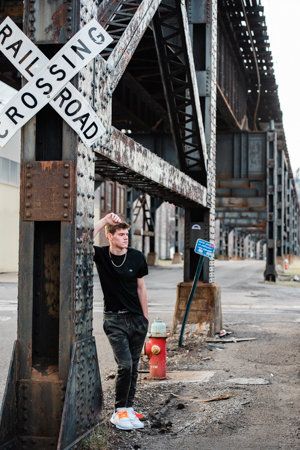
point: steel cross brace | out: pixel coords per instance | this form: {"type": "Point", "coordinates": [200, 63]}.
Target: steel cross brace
{"type": "Point", "coordinates": [121, 154]}
{"type": "Point", "coordinates": [127, 161]}
{"type": "Point", "coordinates": [176, 62]}
{"type": "Point", "coordinates": [129, 39]}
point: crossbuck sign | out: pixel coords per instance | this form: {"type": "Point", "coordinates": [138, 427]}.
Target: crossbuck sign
{"type": "Point", "coordinates": [49, 80]}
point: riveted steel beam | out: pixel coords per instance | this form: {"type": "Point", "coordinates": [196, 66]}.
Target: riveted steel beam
{"type": "Point", "coordinates": [172, 39]}
{"type": "Point", "coordinates": [280, 202]}
{"type": "Point", "coordinates": [203, 19]}
{"type": "Point", "coordinates": [52, 22]}
{"type": "Point", "coordinates": [270, 273]}
{"type": "Point", "coordinates": [123, 159]}
{"type": "Point", "coordinates": [126, 46]}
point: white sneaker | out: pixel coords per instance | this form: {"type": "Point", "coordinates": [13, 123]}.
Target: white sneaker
{"type": "Point", "coordinates": [120, 419]}
{"type": "Point", "coordinates": [136, 423]}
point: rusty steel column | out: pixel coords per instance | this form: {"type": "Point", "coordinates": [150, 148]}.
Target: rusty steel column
{"type": "Point", "coordinates": [286, 210]}
{"type": "Point", "coordinates": [53, 395]}
{"type": "Point", "coordinates": [270, 273]}
{"type": "Point", "coordinates": [289, 217]}
{"type": "Point", "coordinates": [280, 204]}
{"type": "Point", "coordinates": [200, 222]}
{"type": "Point", "coordinates": [202, 16]}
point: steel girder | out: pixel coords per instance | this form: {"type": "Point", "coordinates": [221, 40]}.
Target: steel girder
{"type": "Point", "coordinates": [203, 18]}
{"type": "Point", "coordinates": [109, 159]}
{"type": "Point", "coordinates": [246, 31]}
{"type": "Point", "coordinates": [171, 32]}
{"type": "Point", "coordinates": [128, 162]}
{"type": "Point", "coordinates": [270, 273]}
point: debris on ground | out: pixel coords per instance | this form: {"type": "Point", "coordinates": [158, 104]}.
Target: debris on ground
{"type": "Point", "coordinates": [211, 347]}
{"type": "Point", "coordinates": [248, 381]}
{"type": "Point", "coordinates": [206, 400]}
{"type": "Point", "coordinates": [223, 333]}
{"type": "Point", "coordinates": [200, 401]}
{"type": "Point", "coordinates": [228, 340]}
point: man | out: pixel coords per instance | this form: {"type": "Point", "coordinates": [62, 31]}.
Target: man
{"type": "Point", "coordinates": [121, 271]}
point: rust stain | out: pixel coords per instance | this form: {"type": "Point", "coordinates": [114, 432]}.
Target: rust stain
{"type": "Point", "coordinates": [51, 274]}
{"type": "Point", "coordinates": [46, 165]}
{"type": "Point", "coordinates": [49, 374]}
{"type": "Point", "coordinates": [59, 17]}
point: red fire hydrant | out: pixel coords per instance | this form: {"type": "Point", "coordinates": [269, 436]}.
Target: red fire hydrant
{"type": "Point", "coordinates": [156, 351]}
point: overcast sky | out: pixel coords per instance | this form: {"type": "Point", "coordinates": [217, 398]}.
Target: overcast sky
{"type": "Point", "coordinates": [283, 22]}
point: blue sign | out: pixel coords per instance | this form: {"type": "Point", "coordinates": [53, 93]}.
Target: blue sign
{"type": "Point", "coordinates": [205, 248]}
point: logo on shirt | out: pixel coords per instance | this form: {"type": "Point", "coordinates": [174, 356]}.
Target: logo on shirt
{"type": "Point", "coordinates": [130, 270]}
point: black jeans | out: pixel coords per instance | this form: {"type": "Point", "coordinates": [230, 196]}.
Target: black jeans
{"type": "Point", "coordinates": [126, 333]}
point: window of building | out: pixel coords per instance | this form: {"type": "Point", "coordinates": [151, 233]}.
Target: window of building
{"type": "Point", "coordinates": [102, 196]}
{"type": "Point", "coordinates": [120, 200]}
{"type": "Point", "coordinates": [109, 196]}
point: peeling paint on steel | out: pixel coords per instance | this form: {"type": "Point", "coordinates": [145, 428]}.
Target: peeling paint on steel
{"type": "Point", "coordinates": [125, 152]}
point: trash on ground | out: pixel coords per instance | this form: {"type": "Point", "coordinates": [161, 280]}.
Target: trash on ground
{"type": "Point", "coordinates": [228, 340]}
{"type": "Point", "coordinates": [211, 347]}
{"type": "Point", "coordinates": [296, 278]}
{"type": "Point", "coordinates": [206, 400]}
{"type": "Point", "coordinates": [217, 399]}
{"type": "Point", "coordinates": [223, 333]}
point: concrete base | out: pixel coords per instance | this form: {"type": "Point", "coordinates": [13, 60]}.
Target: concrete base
{"type": "Point", "coordinates": [205, 309]}
{"type": "Point", "coordinates": [177, 258]}
{"type": "Point", "coordinates": [270, 273]}
{"type": "Point", "coordinates": [151, 259]}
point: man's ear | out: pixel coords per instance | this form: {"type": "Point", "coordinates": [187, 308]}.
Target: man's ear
{"type": "Point", "coordinates": [108, 235]}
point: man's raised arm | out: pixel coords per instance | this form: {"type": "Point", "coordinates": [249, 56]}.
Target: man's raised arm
{"type": "Point", "coordinates": [110, 218]}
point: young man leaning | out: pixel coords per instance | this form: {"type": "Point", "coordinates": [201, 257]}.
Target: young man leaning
{"type": "Point", "coordinates": [121, 271]}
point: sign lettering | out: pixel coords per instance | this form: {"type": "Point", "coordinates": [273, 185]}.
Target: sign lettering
{"type": "Point", "coordinates": [205, 248]}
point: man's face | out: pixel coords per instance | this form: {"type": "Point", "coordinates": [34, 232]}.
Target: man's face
{"type": "Point", "coordinates": [119, 239]}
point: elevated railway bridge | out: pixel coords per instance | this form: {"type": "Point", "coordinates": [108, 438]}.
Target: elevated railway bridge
{"type": "Point", "coordinates": [194, 83]}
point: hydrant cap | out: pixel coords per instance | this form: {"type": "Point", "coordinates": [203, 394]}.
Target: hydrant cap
{"type": "Point", "coordinates": [158, 328]}
{"type": "Point", "coordinates": [155, 349]}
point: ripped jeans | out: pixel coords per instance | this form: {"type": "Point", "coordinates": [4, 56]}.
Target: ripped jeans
{"type": "Point", "coordinates": [126, 333]}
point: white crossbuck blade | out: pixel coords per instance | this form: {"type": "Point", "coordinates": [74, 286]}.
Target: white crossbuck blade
{"type": "Point", "coordinates": [49, 80]}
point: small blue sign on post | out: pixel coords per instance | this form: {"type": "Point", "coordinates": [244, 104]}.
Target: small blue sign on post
{"type": "Point", "coordinates": [204, 248]}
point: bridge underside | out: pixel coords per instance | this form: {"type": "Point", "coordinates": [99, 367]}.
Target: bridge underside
{"type": "Point", "coordinates": [164, 101]}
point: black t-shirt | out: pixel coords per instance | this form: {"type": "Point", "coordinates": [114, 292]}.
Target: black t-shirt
{"type": "Point", "coordinates": [119, 284]}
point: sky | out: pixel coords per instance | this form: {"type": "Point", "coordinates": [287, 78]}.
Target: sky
{"type": "Point", "coordinates": [283, 23]}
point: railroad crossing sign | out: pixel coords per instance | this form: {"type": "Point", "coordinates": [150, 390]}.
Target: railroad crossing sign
{"type": "Point", "coordinates": [49, 80]}
{"type": "Point", "coordinates": [204, 248]}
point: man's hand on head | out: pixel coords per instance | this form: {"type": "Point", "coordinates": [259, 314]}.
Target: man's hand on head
{"type": "Point", "coordinates": [112, 219]}
{"type": "Point", "coordinates": [109, 219]}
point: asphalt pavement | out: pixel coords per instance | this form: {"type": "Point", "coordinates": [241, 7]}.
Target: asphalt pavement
{"type": "Point", "coordinates": [245, 297]}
